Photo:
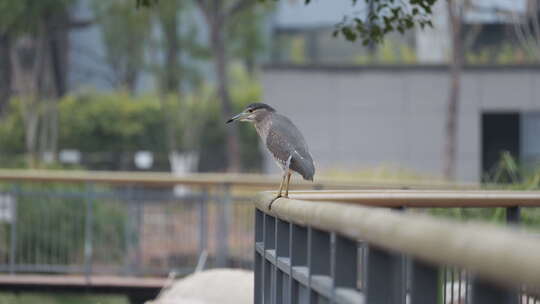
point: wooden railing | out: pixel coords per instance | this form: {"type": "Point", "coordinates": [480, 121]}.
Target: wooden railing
{"type": "Point", "coordinates": [209, 214]}
{"type": "Point", "coordinates": [318, 247]}
{"type": "Point", "coordinates": [253, 181]}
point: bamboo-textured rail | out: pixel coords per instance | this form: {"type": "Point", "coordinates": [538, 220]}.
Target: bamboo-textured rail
{"type": "Point", "coordinates": [255, 181]}
{"type": "Point", "coordinates": [208, 213]}
{"type": "Point", "coordinates": [315, 244]}
{"type": "Point", "coordinates": [426, 198]}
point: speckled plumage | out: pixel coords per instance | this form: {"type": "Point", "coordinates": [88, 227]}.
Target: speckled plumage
{"type": "Point", "coordinates": [284, 140]}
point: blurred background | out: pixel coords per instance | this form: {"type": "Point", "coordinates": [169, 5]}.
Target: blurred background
{"type": "Point", "coordinates": [107, 86]}
{"type": "Point", "coordinates": [146, 86]}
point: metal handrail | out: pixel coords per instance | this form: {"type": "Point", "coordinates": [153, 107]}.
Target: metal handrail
{"type": "Point", "coordinates": [495, 255]}
{"type": "Point", "coordinates": [499, 253]}
{"type": "Point", "coordinates": [426, 198]}
{"type": "Point", "coordinates": [255, 181]}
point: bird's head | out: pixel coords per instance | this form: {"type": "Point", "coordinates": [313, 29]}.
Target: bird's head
{"type": "Point", "coordinates": [253, 112]}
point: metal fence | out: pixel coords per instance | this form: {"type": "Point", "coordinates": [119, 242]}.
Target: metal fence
{"type": "Point", "coordinates": [131, 223]}
{"type": "Point", "coordinates": [322, 252]}
{"type": "Point", "coordinates": [126, 230]}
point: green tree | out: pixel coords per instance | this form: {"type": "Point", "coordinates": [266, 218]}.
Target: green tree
{"type": "Point", "coordinates": [175, 71]}
{"type": "Point", "coordinates": [34, 43]}
{"type": "Point", "coordinates": [219, 16]}
{"type": "Point", "coordinates": [245, 35]}
{"type": "Point", "coordinates": [125, 33]}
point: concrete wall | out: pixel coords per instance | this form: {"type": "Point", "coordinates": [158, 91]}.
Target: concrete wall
{"type": "Point", "coordinates": [364, 117]}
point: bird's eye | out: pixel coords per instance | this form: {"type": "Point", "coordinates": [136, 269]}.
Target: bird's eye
{"type": "Point", "coordinates": [250, 110]}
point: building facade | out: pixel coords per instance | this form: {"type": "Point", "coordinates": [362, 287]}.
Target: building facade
{"type": "Point", "coordinates": [361, 117]}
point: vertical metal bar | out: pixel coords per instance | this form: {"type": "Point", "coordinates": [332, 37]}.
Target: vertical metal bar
{"type": "Point", "coordinates": [513, 215]}
{"type": "Point", "coordinates": [259, 221]}
{"type": "Point", "coordinates": [269, 269]}
{"type": "Point", "coordinates": [265, 281]}
{"type": "Point", "coordinates": [13, 232]}
{"type": "Point", "coordinates": [89, 231]}
{"type": "Point", "coordinates": [486, 293]}
{"type": "Point", "coordinates": [318, 252]}
{"type": "Point", "coordinates": [467, 295]}
{"type": "Point", "coordinates": [424, 283]}
{"type": "Point", "coordinates": [452, 285]}
{"type": "Point", "coordinates": [282, 250]}
{"type": "Point", "coordinates": [384, 277]}
{"type": "Point", "coordinates": [224, 218]}
{"type": "Point", "coordinates": [459, 284]}
{"type": "Point", "coordinates": [298, 254]}
{"type": "Point", "coordinates": [139, 235]}
{"type": "Point", "coordinates": [444, 283]}
{"type": "Point", "coordinates": [362, 247]}
{"type": "Point", "coordinates": [318, 255]}
{"type": "Point", "coordinates": [344, 263]}
{"type": "Point", "coordinates": [203, 222]}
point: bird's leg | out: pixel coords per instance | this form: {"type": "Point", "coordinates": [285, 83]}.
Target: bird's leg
{"type": "Point", "coordinates": [286, 176]}
{"type": "Point", "coordinates": [281, 185]}
{"type": "Point", "coordinates": [287, 184]}
{"type": "Point", "coordinates": [279, 192]}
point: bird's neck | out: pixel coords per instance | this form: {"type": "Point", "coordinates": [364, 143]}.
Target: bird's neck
{"type": "Point", "coordinates": [263, 125]}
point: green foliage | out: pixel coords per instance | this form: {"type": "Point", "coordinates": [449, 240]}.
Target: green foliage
{"type": "Point", "coordinates": [145, 3]}
{"type": "Point", "coordinates": [54, 298]}
{"type": "Point", "coordinates": [246, 32]}
{"type": "Point", "coordinates": [125, 33]}
{"type": "Point", "coordinates": [298, 50]}
{"type": "Point", "coordinates": [180, 72]}
{"type": "Point", "coordinates": [507, 174]}
{"type": "Point", "coordinates": [119, 122]}
{"type": "Point", "coordinates": [113, 122]}
{"type": "Point", "coordinates": [389, 52]}
{"type": "Point", "coordinates": [506, 53]}
{"type": "Point", "coordinates": [385, 17]}
{"type": "Point", "coordinates": [59, 215]}
{"type": "Point", "coordinates": [25, 16]}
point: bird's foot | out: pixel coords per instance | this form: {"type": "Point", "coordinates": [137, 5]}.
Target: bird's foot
{"type": "Point", "coordinates": [275, 198]}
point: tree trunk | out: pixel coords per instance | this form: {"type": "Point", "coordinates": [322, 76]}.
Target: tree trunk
{"type": "Point", "coordinates": [58, 45]}
{"type": "Point", "coordinates": [171, 81]}
{"type": "Point", "coordinates": [220, 63]}
{"type": "Point", "coordinates": [456, 63]}
{"type": "Point", "coordinates": [5, 72]}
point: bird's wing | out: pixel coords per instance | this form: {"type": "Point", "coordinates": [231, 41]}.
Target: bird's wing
{"type": "Point", "coordinates": [285, 140]}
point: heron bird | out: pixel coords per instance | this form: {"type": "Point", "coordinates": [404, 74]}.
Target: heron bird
{"type": "Point", "coordinates": [283, 140]}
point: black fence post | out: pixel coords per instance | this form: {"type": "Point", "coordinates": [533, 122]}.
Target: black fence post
{"type": "Point", "coordinates": [318, 260]}
{"type": "Point", "coordinates": [224, 220]}
{"type": "Point", "coordinates": [269, 243]}
{"type": "Point", "coordinates": [89, 231]}
{"type": "Point", "coordinates": [259, 257]}
{"type": "Point", "coordinates": [13, 233]}
{"type": "Point", "coordinates": [384, 277]}
{"type": "Point", "coordinates": [203, 222]}
{"type": "Point", "coordinates": [424, 283]}
{"type": "Point", "coordinates": [344, 264]}
{"type": "Point", "coordinates": [298, 253]}
{"type": "Point", "coordinates": [282, 252]}
{"type": "Point", "coordinates": [484, 292]}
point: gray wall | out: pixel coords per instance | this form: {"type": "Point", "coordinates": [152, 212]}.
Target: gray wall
{"type": "Point", "coordinates": [365, 117]}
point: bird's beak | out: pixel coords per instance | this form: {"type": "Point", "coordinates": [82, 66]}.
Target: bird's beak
{"type": "Point", "coordinates": [237, 117]}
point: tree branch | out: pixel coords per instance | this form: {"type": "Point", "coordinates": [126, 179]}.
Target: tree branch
{"type": "Point", "coordinates": [77, 24]}
{"type": "Point", "coordinates": [205, 8]}
{"type": "Point", "coordinates": [239, 6]}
